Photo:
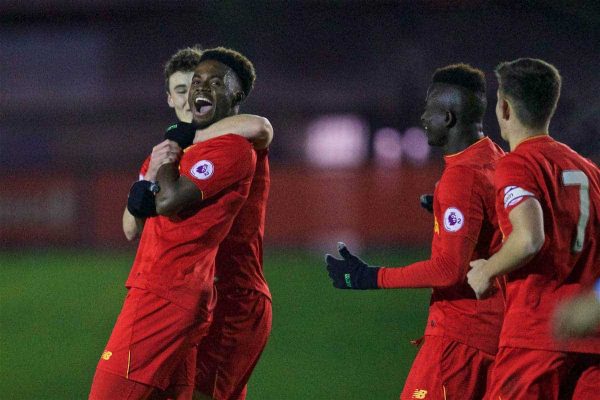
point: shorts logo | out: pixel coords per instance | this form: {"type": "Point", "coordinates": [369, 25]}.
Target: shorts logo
{"type": "Point", "coordinates": [453, 219]}
{"type": "Point", "coordinates": [419, 394]}
{"type": "Point", "coordinates": [514, 194]}
{"type": "Point", "coordinates": [202, 169]}
{"type": "Point", "coordinates": [436, 226]}
{"type": "Point", "coordinates": [106, 355]}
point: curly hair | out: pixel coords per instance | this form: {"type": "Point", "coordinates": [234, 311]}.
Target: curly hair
{"type": "Point", "coordinates": [185, 60]}
{"type": "Point", "coordinates": [237, 62]}
{"type": "Point", "coordinates": [470, 78]}
{"type": "Point", "coordinates": [533, 85]}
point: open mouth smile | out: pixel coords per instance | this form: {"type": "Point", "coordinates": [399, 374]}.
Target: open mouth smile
{"type": "Point", "coordinates": [202, 105]}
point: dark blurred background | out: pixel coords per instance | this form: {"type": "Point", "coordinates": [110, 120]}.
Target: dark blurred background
{"type": "Point", "coordinates": [343, 83]}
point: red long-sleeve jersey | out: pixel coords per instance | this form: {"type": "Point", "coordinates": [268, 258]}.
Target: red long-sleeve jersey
{"type": "Point", "coordinates": [465, 229]}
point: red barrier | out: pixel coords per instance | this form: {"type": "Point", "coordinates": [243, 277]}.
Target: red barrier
{"type": "Point", "coordinates": [39, 210]}
{"type": "Point", "coordinates": [306, 208]}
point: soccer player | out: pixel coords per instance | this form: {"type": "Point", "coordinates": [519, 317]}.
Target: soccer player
{"type": "Point", "coordinates": [548, 206]}
{"type": "Point", "coordinates": [461, 335]}
{"type": "Point", "coordinates": [171, 296]}
{"type": "Point", "coordinates": [242, 316]}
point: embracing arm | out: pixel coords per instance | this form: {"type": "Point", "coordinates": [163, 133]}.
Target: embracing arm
{"type": "Point", "coordinates": [523, 243]}
{"type": "Point", "coordinates": [257, 130]}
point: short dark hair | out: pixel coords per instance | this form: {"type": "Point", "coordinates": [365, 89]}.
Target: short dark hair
{"type": "Point", "coordinates": [237, 62]}
{"type": "Point", "coordinates": [469, 78]}
{"type": "Point", "coordinates": [533, 86]}
{"type": "Point", "coordinates": [185, 60]}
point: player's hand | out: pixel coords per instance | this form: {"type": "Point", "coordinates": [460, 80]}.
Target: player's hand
{"type": "Point", "coordinates": [350, 272]}
{"type": "Point", "coordinates": [182, 133]}
{"type": "Point", "coordinates": [577, 317]}
{"type": "Point", "coordinates": [165, 152]}
{"type": "Point", "coordinates": [426, 201]}
{"type": "Point", "coordinates": [479, 280]}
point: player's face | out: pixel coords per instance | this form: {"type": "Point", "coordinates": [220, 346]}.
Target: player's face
{"type": "Point", "coordinates": [177, 97]}
{"type": "Point", "coordinates": [434, 118]}
{"type": "Point", "coordinates": [211, 95]}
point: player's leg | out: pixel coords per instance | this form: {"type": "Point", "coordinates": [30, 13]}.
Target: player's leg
{"type": "Point", "coordinates": [228, 354]}
{"type": "Point", "coordinates": [181, 386]}
{"type": "Point", "coordinates": [528, 374]}
{"type": "Point", "coordinates": [150, 338]}
{"type": "Point", "coordinates": [446, 369]}
{"type": "Point", "coordinates": [424, 379]}
{"type": "Point", "coordinates": [110, 386]}
{"type": "Point", "coordinates": [465, 371]}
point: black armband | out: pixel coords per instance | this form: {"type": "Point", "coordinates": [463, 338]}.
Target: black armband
{"type": "Point", "coordinates": [141, 203]}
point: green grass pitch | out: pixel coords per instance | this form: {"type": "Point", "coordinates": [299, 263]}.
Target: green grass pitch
{"type": "Point", "coordinates": [57, 309]}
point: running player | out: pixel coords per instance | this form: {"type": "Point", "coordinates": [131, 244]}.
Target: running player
{"type": "Point", "coordinates": [461, 336]}
{"type": "Point", "coordinates": [548, 205]}
{"type": "Point", "coordinates": [171, 295]}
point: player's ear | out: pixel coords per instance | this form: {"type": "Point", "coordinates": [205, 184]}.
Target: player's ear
{"type": "Point", "coordinates": [450, 119]}
{"type": "Point", "coordinates": [170, 100]}
{"type": "Point", "coordinates": [238, 97]}
{"type": "Point", "coordinates": [505, 109]}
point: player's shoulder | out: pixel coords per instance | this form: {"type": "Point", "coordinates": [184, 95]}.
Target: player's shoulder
{"type": "Point", "coordinates": [230, 144]}
{"type": "Point", "coordinates": [511, 160]}
{"type": "Point", "coordinates": [458, 181]}
{"type": "Point", "coordinates": [460, 173]}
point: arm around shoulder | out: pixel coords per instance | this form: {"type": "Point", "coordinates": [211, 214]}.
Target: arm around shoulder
{"type": "Point", "coordinates": [256, 129]}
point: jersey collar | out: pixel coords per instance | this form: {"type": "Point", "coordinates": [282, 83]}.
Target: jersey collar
{"type": "Point", "coordinates": [483, 142]}
{"type": "Point", "coordinates": [543, 137]}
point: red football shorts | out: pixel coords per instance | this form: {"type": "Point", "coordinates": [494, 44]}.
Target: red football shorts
{"type": "Point", "coordinates": [445, 369]}
{"type": "Point", "coordinates": [237, 336]}
{"type": "Point", "coordinates": [539, 374]}
{"type": "Point", "coordinates": [150, 339]}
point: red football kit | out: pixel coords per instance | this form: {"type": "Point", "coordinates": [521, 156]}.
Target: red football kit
{"type": "Point", "coordinates": [567, 186]}
{"type": "Point", "coordinates": [461, 337]}
{"type": "Point", "coordinates": [171, 294]}
{"type": "Point", "coordinates": [242, 318]}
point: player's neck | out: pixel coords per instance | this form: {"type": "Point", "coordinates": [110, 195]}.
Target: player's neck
{"type": "Point", "coordinates": [462, 138]}
{"type": "Point", "coordinates": [520, 133]}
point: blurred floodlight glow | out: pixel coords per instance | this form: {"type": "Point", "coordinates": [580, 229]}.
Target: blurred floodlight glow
{"type": "Point", "coordinates": [387, 146]}
{"type": "Point", "coordinates": [414, 145]}
{"type": "Point", "coordinates": [337, 141]}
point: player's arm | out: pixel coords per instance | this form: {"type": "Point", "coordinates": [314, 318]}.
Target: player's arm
{"type": "Point", "coordinates": [523, 243]}
{"type": "Point", "coordinates": [140, 201]}
{"type": "Point", "coordinates": [446, 268]}
{"type": "Point", "coordinates": [132, 226]}
{"type": "Point", "coordinates": [449, 263]}
{"type": "Point", "coordinates": [176, 192]}
{"type": "Point", "coordinates": [204, 171]}
{"type": "Point", "coordinates": [256, 129]}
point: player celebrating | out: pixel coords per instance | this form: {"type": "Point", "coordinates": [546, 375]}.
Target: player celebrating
{"type": "Point", "coordinates": [171, 297]}
{"type": "Point", "coordinates": [548, 205]}
{"type": "Point", "coordinates": [461, 336]}
{"type": "Point", "coordinates": [248, 286]}
{"type": "Point", "coordinates": [242, 318]}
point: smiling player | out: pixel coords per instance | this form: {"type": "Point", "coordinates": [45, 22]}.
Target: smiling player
{"type": "Point", "coordinates": [171, 295]}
